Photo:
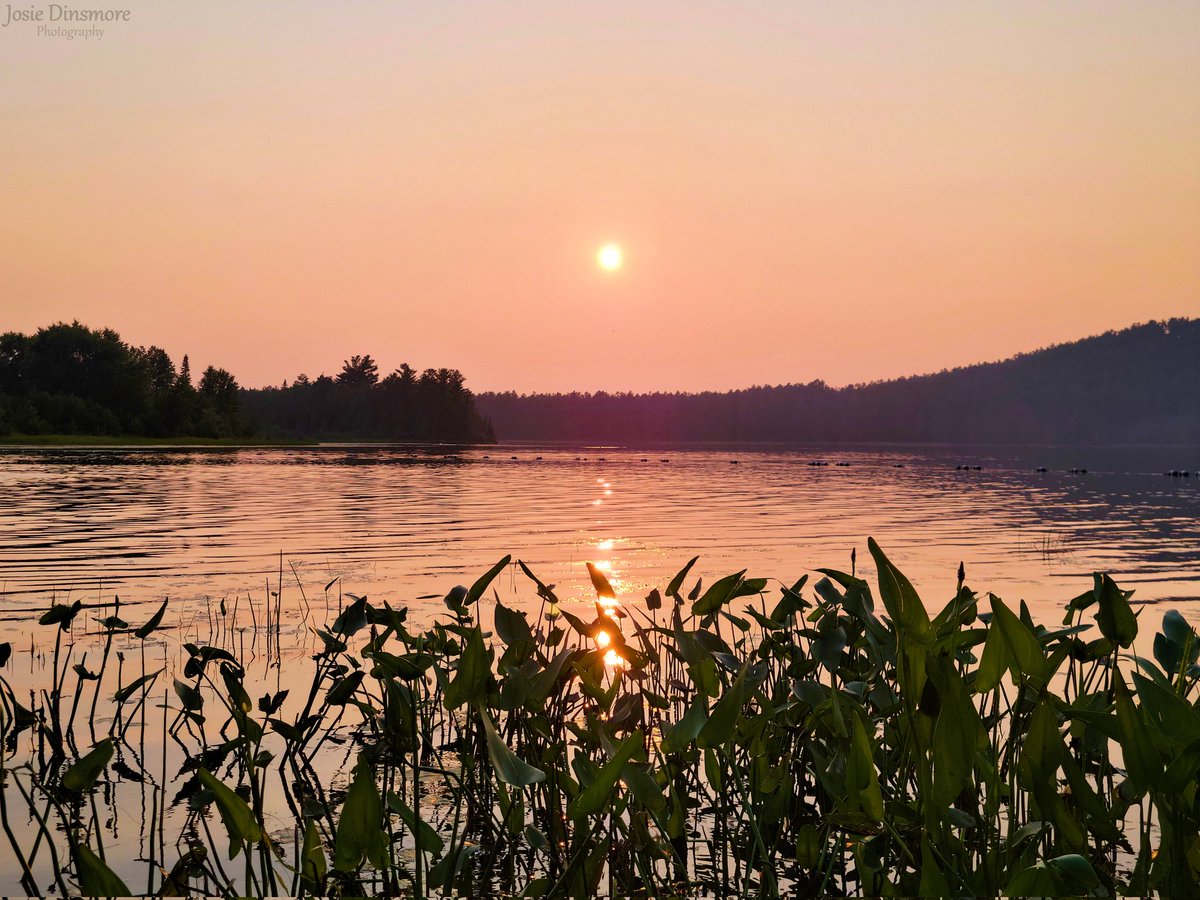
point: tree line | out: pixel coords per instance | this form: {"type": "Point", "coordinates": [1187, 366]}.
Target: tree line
{"type": "Point", "coordinates": [69, 379]}
{"type": "Point", "coordinates": [1140, 385]}
{"type": "Point", "coordinates": [434, 405]}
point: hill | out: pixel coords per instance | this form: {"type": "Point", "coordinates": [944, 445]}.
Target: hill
{"type": "Point", "coordinates": [1140, 385]}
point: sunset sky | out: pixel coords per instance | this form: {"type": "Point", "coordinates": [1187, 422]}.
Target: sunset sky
{"type": "Point", "coordinates": [801, 190]}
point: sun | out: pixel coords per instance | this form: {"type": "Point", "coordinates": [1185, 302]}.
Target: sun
{"type": "Point", "coordinates": [610, 257]}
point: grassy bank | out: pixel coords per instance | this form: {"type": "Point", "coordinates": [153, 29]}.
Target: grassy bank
{"type": "Point", "coordinates": [744, 738]}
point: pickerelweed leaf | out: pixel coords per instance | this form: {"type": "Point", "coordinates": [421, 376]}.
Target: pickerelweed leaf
{"type": "Point", "coordinates": [155, 620]}
{"type": "Point", "coordinates": [545, 591]}
{"type": "Point", "coordinates": [360, 829]}
{"type": "Point", "coordinates": [594, 796]}
{"type": "Point", "coordinates": [191, 698]}
{"type": "Point", "coordinates": [81, 776]}
{"type": "Point", "coordinates": [862, 778]}
{"type": "Point", "coordinates": [600, 583]}
{"type": "Point", "coordinates": [511, 625]}
{"type": "Point", "coordinates": [723, 717]}
{"type": "Point", "coordinates": [481, 585]}
{"type": "Point", "coordinates": [240, 824]}
{"type": "Point", "coordinates": [719, 593]}
{"type": "Point", "coordinates": [470, 680]}
{"type": "Point", "coordinates": [1142, 759]}
{"type": "Point", "coordinates": [132, 688]}
{"type": "Point", "coordinates": [431, 841]}
{"type": "Point", "coordinates": [677, 582]}
{"type": "Point", "coordinates": [1114, 615]}
{"type": "Point", "coordinates": [353, 617]}
{"type": "Point", "coordinates": [509, 768]}
{"type": "Point", "coordinates": [312, 858]}
{"type": "Point", "coordinates": [96, 879]}
{"type": "Point", "coordinates": [61, 614]}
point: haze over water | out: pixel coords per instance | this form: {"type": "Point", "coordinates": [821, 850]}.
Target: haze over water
{"type": "Point", "coordinates": [402, 523]}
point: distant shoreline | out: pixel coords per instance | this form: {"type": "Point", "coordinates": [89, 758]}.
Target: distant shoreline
{"type": "Point", "coordinates": [126, 440]}
{"type": "Point", "coordinates": [116, 442]}
{"type": "Point", "coordinates": [17, 441]}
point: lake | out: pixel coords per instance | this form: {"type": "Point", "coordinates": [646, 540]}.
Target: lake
{"type": "Point", "coordinates": [237, 538]}
{"type": "Point", "coordinates": [399, 523]}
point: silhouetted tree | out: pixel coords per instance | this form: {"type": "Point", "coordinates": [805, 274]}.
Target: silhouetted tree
{"type": "Point", "coordinates": [71, 379]}
{"type": "Point", "coordinates": [435, 406]}
{"type": "Point", "coordinates": [358, 370]}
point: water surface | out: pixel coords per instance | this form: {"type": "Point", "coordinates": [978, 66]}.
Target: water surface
{"type": "Point", "coordinates": [222, 532]}
{"type": "Point", "coordinates": [400, 523]}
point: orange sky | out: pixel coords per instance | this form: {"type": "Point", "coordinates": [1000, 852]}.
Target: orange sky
{"type": "Point", "coordinates": [844, 190]}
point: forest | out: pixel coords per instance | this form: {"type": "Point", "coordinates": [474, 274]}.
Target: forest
{"type": "Point", "coordinates": [434, 405]}
{"type": "Point", "coordinates": [74, 380]}
{"type": "Point", "coordinates": [1134, 386]}
{"type": "Point", "coordinates": [68, 379]}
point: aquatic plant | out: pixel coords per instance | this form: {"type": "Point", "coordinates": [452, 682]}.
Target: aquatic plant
{"type": "Point", "coordinates": [747, 737]}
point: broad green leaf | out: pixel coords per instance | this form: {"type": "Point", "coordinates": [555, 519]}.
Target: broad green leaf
{"type": "Point", "coordinates": [1169, 717]}
{"type": "Point", "coordinates": [431, 841]}
{"type": "Point", "coordinates": [1076, 872]}
{"type": "Point", "coordinates": [594, 796]}
{"type": "Point", "coordinates": [470, 679]}
{"type": "Point", "coordinates": [1142, 759]}
{"type": "Point", "coordinates": [61, 614]}
{"type": "Point", "coordinates": [724, 715]}
{"type": "Point", "coordinates": [1037, 880]}
{"type": "Point", "coordinates": [718, 594]}
{"type": "Point", "coordinates": [342, 691]}
{"type": "Point", "coordinates": [996, 660]}
{"type": "Point", "coordinates": [862, 780]}
{"type": "Point", "coordinates": [680, 735]}
{"type": "Point", "coordinates": [96, 879]}
{"type": "Point", "coordinates": [600, 583]}
{"type": "Point", "coordinates": [827, 649]}
{"type": "Point", "coordinates": [132, 688]}
{"type": "Point", "coordinates": [1114, 615]}
{"type": "Point", "coordinates": [957, 734]}
{"type": "Point", "coordinates": [481, 585]}
{"type": "Point", "coordinates": [509, 768]}
{"type": "Point", "coordinates": [155, 620]}
{"type": "Point", "coordinates": [900, 598]}
{"type": "Point", "coordinates": [239, 821]}
{"type": "Point", "coordinates": [1024, 651]}
{"type": "Point", "coordinates": [191, 698]}
{"type": "Point", "coordinates": [360, 830]}
{"type": "Point", "coordinates": [544, 681]}
{"type": "Point", "coordinates": [511, 625]}
{"type": "Point", "coordinates": [749, 587]}
{"type": "Point", "coordinates": [677, 582]}
{"type": "Point", "coordinates": [83, 774]}
{"type": "Point", "coordinates": [353, 617]}
{"type": "Point", "coordinates": [312, 858]}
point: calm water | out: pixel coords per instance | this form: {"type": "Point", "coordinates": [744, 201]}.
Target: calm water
{"type": "Point", "coordinates": [399, 523]}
